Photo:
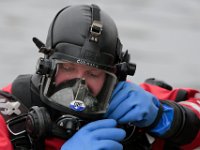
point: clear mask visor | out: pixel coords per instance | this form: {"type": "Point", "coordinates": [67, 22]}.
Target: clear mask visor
{"type": "Point", "coordinates": [80, 88]}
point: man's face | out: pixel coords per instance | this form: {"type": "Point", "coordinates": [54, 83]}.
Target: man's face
{"type": "Point", "coordinates": [94, 77]}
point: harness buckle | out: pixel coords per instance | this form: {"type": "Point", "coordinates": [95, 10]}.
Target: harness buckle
{"type": "Point", "coordinates": [16, 126]}
{"type": "Point", "coordinates": [95, 30]}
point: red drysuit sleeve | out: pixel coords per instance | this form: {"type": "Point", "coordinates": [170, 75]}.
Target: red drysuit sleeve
{"type": "Point", "coordinates": [5, 142]}
{"type": "Point", "coordinates": [192, 103]}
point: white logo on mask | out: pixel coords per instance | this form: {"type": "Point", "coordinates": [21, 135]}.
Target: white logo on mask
{"type": "Point", "coordinates": [79, 61]}
{"type": "Point", "coordinates": [9, 108]}
{"type": "Point", "coordinates": [77, 105]}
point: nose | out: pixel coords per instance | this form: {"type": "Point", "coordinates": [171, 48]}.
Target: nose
{"type": "Point", "coordinates": [80, 74]}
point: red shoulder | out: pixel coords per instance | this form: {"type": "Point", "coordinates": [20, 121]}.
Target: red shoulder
{"type": "Point", "coordinates": [5, 142]}
{"type": "Point", "coordinates": [7, 88]}
{"type": "Point", "coordinates": [164, 94]}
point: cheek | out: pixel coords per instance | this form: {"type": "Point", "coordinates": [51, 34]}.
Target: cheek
{"type": "Point", "coordinates": [95, 86]}
{"type": "Point", "coordinates": [61, 77]}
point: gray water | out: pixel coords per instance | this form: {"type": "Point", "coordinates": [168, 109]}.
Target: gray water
{"type": "Point", "coordinates": [163, 36]}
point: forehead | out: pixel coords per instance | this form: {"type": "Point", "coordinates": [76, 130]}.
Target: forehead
{"type": "Point", "coordinates": [80, 66]}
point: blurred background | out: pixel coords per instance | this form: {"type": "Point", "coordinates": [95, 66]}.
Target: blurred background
{"type": "Point", "coordinates": [163, 37]}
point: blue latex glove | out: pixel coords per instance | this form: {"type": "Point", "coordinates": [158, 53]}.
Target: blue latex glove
{"type": "Point", "coordinates": [132, 104]}
{"type": "Point", "coordinates": [98, 135]}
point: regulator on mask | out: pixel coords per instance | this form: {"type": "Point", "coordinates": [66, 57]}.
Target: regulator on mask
{"type": "Point", "coordinates": [75, 95]}
{"type": "Point", "coordinates": [38, 124]}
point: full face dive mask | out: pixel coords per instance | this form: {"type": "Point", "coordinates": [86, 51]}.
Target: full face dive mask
{"type": "Point", "coordinates": [75, 97]}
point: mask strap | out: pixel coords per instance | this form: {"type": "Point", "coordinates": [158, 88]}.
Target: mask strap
{"type": "Point", "coordinates": [96, 26]}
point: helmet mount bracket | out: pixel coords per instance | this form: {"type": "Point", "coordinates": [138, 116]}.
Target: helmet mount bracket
{"type": "Point", "coordinates": [125, 67]}
{"type": "Point", "coordinates": [96, 26]}
{"type": "Point", "coordinates": [42, 48]}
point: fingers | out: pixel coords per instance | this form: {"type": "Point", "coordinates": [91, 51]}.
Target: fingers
{"type": "Point", "coordinates": [115, 134]}
{"type": "Point", "coordinates": [105, 123]}
{"type": "Point", "coordinates": [132, 116]}
{"type": "Point", "coordinates": [121, 92]}
{"type": "Point", "coordinates": [109, 145]}
{"type": "Point", "coordinates": [132, 104]}
{"type": "Point", "coordinates": [124, 107]}
{"type": "Point", "coordinates": [101, 134]}
{"type": "Point", "coordinates": [117, 88]}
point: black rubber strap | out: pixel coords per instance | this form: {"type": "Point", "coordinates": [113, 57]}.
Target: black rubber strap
{"type": "Point", "coordinates": [185, 125]}
{"type": "Point", "coordinates": [95, 13]}
{"type": "Point", "coordinates": [178, 121]}
{"type": "Point", "coordinates": [181, 95]}
{"type": "Point", "coordinates": [158, 117]}
{"type": "Point", "coordinates": [21, 89]}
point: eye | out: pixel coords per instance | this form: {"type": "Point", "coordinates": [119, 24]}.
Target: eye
{"type": "Point", "coordinates": [94, 74]}
{"type": "Point", "coordinates": [67, 68]}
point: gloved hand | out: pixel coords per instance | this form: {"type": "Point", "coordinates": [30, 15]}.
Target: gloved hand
{"type": "Point", "coordinates": [101, 134]}
{"type": "Point", "coordinates": [131, 104]}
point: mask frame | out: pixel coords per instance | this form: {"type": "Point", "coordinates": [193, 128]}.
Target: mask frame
{"type": "Point", "coordinates": [52, 95]}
